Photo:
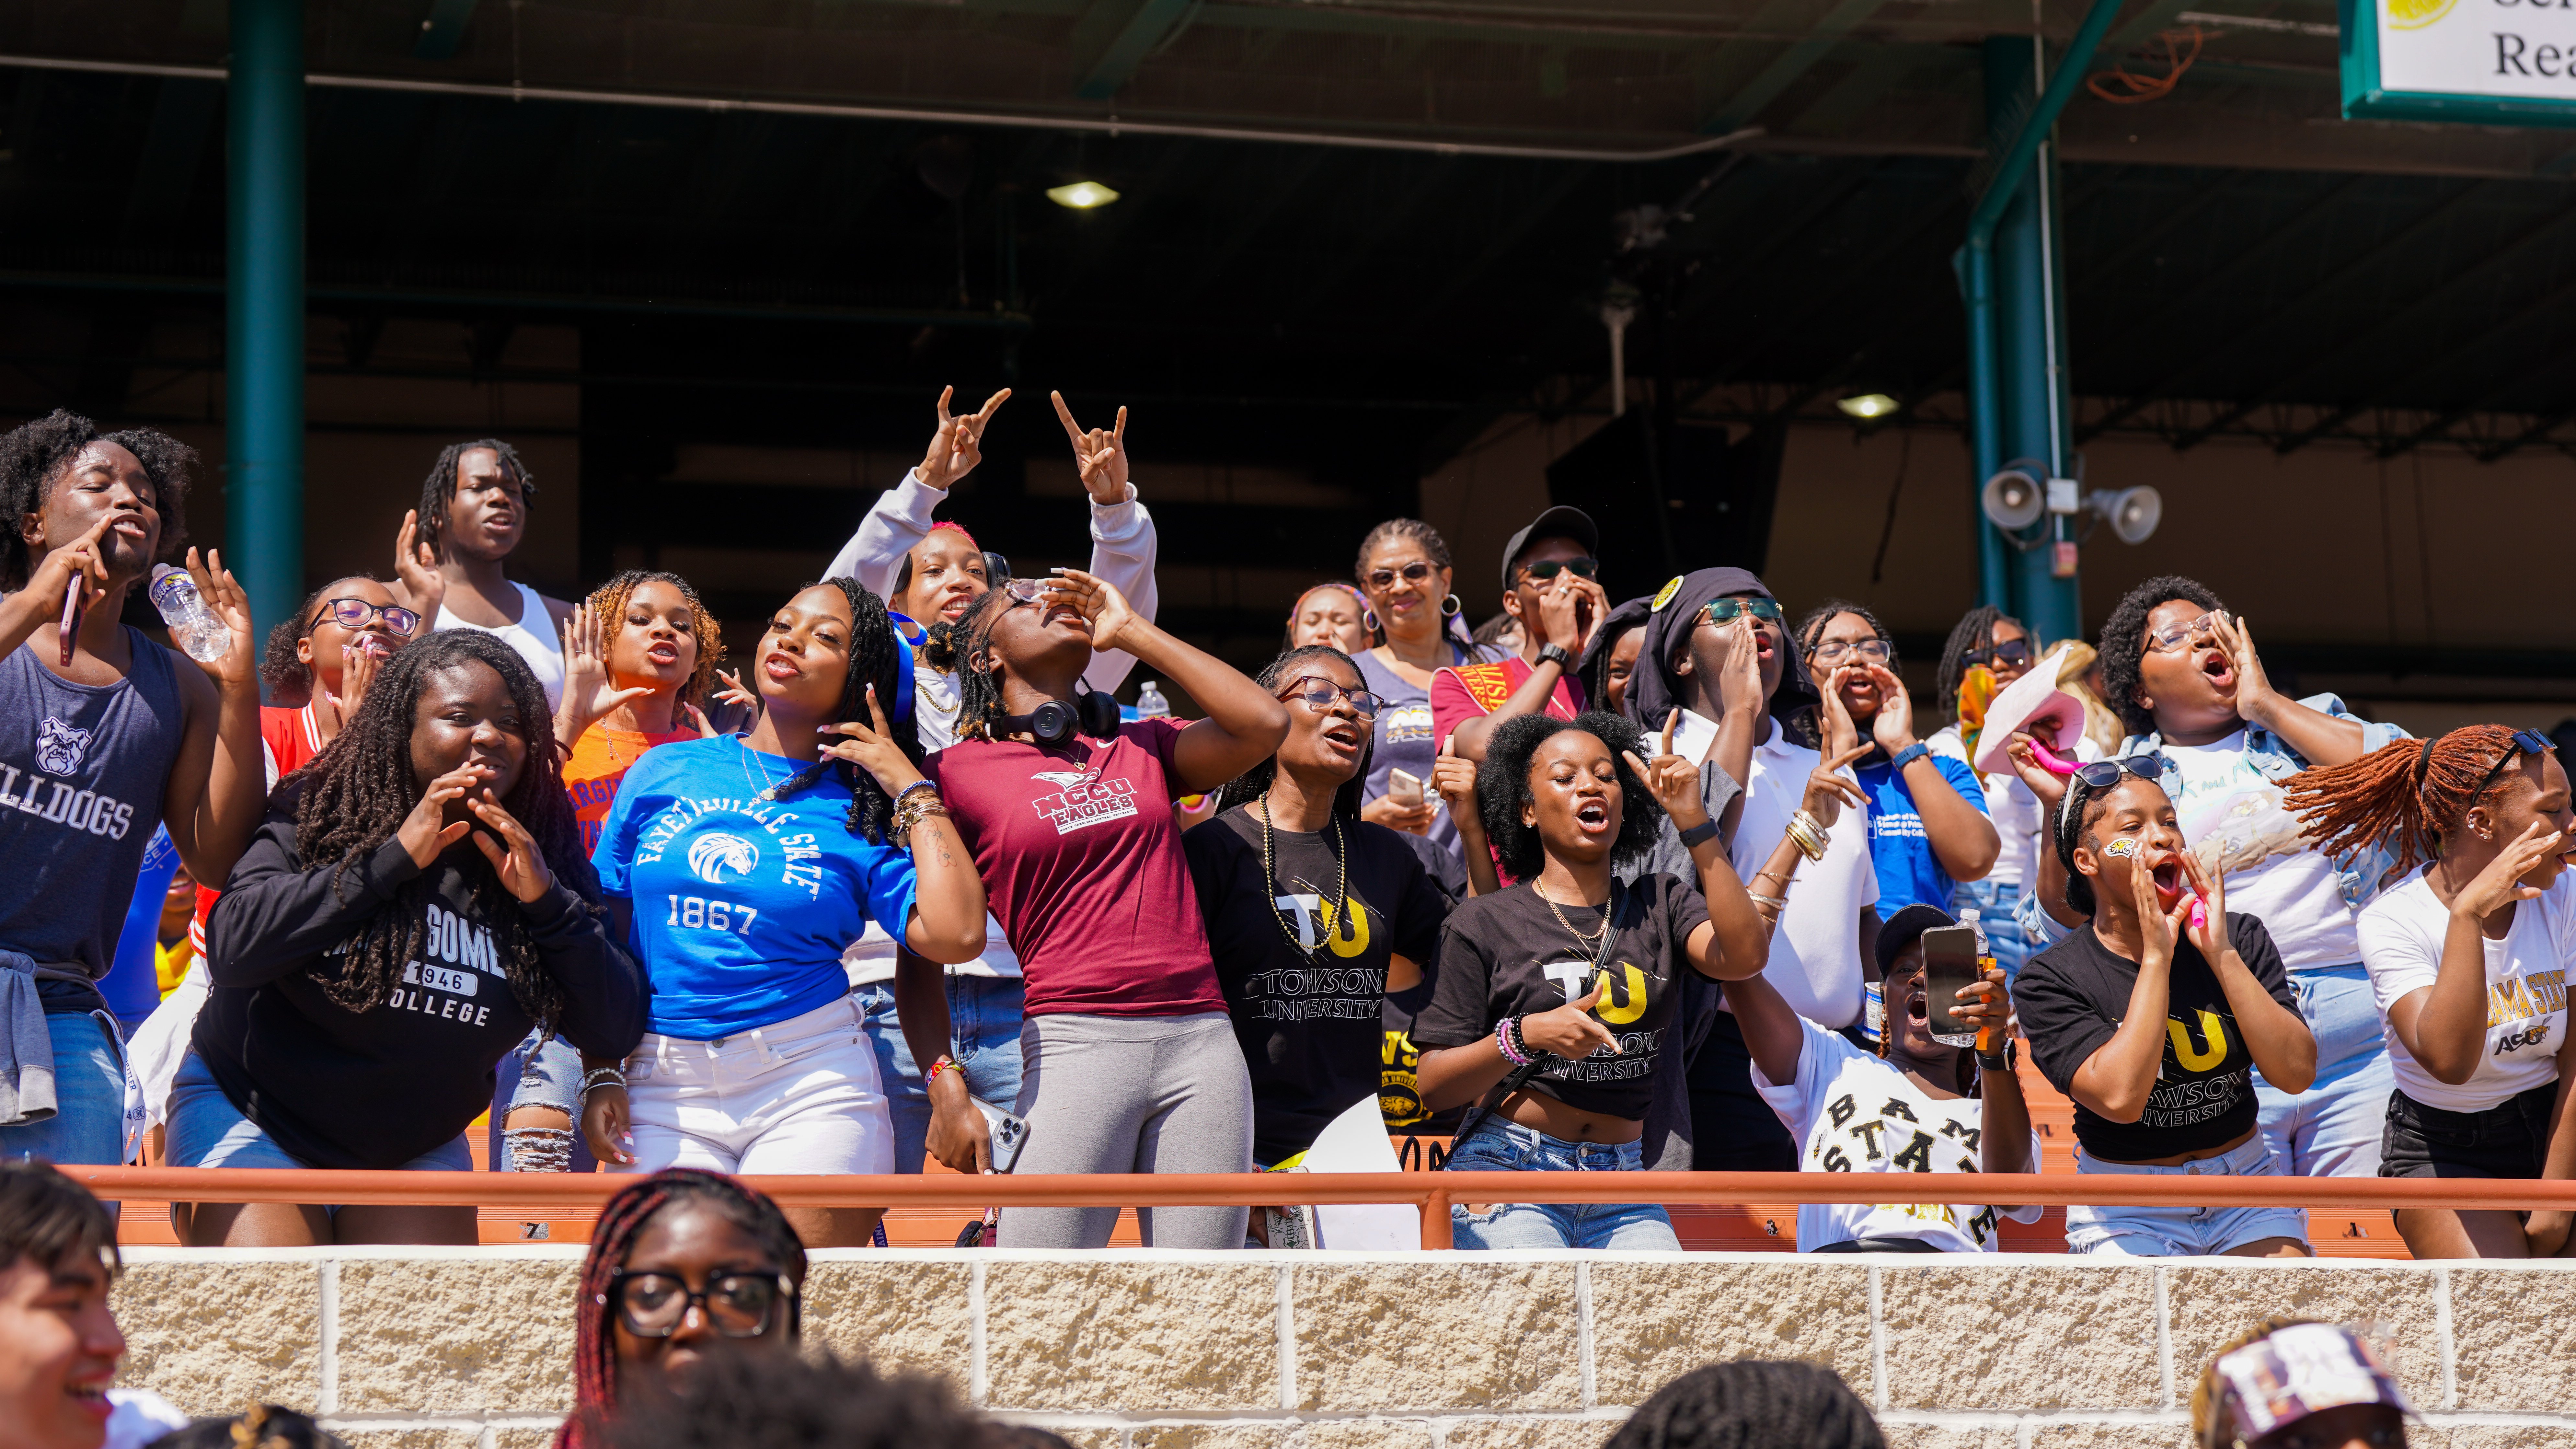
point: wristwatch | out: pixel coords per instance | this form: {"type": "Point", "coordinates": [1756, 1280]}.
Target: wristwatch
{"type": "Point", "coordinates": [1909, 755]}
{"type": "Point", "coordinates": [2003, 1062]}
{"type": "Point", "coordinates": [1555, 654]}
{"type": "Point", "coordinates": [1705, 830]}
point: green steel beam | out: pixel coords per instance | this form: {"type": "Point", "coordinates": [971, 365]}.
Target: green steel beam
{"type": "Point", "coordinates": [1146, 24]}
{"type": "Point", "coordinates": [264, 308]}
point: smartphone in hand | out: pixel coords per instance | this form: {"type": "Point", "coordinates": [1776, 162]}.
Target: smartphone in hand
{"type": "Point", "coordinates": [1404, 789]}
{"type": "Point", "coordinates": [1949, 965]}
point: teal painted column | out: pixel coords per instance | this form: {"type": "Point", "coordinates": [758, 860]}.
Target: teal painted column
{"type": "Point", "coordinates": [264, 308]}
{"type": "Point", "coordinates": [2032, 409]}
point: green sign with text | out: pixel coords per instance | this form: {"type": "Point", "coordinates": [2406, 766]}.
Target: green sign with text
{"type": "Point", "coordinates": [2479, 62]}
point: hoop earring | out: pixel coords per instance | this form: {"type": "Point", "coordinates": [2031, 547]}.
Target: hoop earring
{"type": "Point", "coordinates": [1450, 608]}
{"type": "Point", "coordinates": [1368, 619]}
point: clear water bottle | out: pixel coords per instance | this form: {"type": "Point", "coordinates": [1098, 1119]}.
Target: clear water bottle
{"type": "Point", "coordinates": [1873, 1010]}
{"type": "Point", "coordinates": [1150, 703]}
{"type": "Point", "coordinates": [193, 626]}
{"type": "Point", "coordinates": [1974, 920]}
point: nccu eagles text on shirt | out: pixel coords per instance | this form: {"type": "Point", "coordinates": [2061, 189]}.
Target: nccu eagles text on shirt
{"type": "Point", "coordinates": [459, 943]}
{"type": "Point", "coordinates": [59, 751]}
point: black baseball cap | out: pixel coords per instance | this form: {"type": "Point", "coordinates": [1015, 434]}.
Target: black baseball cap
{"type": "Point", "coordinates": [1561, 521]}
{"type": "Point", "coordinates": [1904, 928]}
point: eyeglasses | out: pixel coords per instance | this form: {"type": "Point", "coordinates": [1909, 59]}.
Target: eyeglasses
{"type": "Point", "coordinates": [737, 1305]}
{"type": "Point", "coordinates": [2011, 652]}
{"type": "Point", "coordinates": [1318, 693]}
{"type": "Point", "coordinates": [1874, 650]}
{"type": "Point", "coordinates": [2525, 742]}
{"type": "Point", "coordinates": [1416, 571]}
{"type": "Point", "coordinates": [2103, 774]}
{"type": "Point", "coordinates": [1025, 591]}
{"type": "Point", "coordinates": [1721, 611]}
{"type": "Point", "coordinates": [1546, 569]}
{"type": "Point", "coordinates": [2174, 636]}
{"type": "Point", "coordinates": [353, 614]}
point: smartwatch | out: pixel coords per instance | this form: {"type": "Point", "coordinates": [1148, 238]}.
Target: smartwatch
{"type": "Point", "coordinates": [2003, 1061]}
{"type": "Point", "coordinates": [1555, 654]}
{"type": "Point", "coordinates": [1909, 755]}
{"type": "Point", "coordinates": [1704, 831]}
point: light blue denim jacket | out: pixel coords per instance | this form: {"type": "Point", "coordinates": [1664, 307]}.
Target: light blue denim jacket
{"type": "Point", "coordinates": [2364, 872]}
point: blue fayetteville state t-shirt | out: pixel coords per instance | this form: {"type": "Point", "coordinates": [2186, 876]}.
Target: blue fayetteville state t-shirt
{"type": "Point", "coordinates": [1908, 872]}
{"type": "Point", "coordinates": [741, 905]}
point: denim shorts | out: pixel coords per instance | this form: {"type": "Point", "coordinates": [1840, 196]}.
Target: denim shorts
{"type": "Point", "coordinates": [207, 1130]}
{"type": "Point", "coordinates": [2509, 1139]}
{"type": "Point", "coordinates": [2183, 1232]}
{"type": "Point", "coordinates": [1500, 1146]}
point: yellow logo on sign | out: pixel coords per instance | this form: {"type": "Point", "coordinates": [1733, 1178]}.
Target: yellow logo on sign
{"type": "Point", "coordinates": [2416, 14]}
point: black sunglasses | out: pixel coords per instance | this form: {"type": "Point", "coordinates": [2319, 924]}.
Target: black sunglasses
{"type": "Point", "coordinates": [2525, 742]}
{"type": "Point", "coordinates": [1413, 573]}
{"type": "Point", "coordinates": [2103, 774]}
{"type": "Point", "coordinates": [1546, 569]}
{"type": "Point", "coordinates": [2010, 651]}
{"type": "Point", "coordinates": [737, 1305]}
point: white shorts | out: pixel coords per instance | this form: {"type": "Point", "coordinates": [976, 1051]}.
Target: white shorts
{"type": "Point", "coordinates": [800, 1096]}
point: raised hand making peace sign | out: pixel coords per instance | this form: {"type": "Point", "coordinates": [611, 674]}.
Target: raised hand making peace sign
{"type": "Point", "coordinates": [1102, 457]}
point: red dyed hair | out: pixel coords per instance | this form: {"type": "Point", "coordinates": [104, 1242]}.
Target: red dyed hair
{"type": "Point", "coordinates": [2408, 793]}
{"type": "Point", "coordinates": [622, 1220]}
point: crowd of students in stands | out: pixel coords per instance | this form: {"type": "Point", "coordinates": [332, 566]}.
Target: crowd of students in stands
{"type": "Point", "coordinates": [1640, 884]}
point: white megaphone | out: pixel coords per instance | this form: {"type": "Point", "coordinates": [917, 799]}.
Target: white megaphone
{"type": "Point", "coordinates": [2013, 499]}
{"type": "Point", "coordinates": [2133, 513]}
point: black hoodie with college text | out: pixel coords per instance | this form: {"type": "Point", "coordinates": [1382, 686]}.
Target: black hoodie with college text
{"type": "Point", "coordinates": [377, 1088]}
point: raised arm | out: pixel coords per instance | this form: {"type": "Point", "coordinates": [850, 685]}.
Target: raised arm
{"type": "Point", "coordinates": [900, 518]}
{"type": "Point", "coordinates": [1963, 839]}
{"type": "Point", "coordinates": [947, 920]}
{"type": "Point", "coordinates": [2284, 1046]}
{"type": "Point", "coordinates": [2116, 1080]}
{"type": "Point", "coordinates": [1122, 533]}
{"type": "Point", "coordinates": [1732, 943]}
{"type": "Point", "coordinates": [1244, 725]}
{"type": "Point", "coordinates": [2321, 738]}
{"type": "Point", "coordinates": [1770, 1026]}
{"type": "Point", "coordinates": [1558, 623]}
{"type": "Point", "coordinates": [2444, 1025]}
{"type": "Point", "coordinates": [218, 787]}
{"type": "Point", "coordinates": [1455, 779]}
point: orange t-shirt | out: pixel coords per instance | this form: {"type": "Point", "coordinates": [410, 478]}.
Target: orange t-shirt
{"type": "Point", "coordinates": [600, 759]}
{"type": "Point", "coordinates": [292, 738]}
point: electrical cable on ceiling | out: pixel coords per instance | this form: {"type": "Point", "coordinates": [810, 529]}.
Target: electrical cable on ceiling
{"type": "Point", "coordinates": [2123, 89]}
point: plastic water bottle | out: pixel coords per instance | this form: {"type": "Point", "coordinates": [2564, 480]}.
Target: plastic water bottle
{"type": "Point", "coordinates": [1150, 703]}
{"type": "Point", "coordinates": [193, 626]}
{"type": "Point", "coordinates": [1873, 1010]}
{"type": "Point", "coordinates": [1974, 920]}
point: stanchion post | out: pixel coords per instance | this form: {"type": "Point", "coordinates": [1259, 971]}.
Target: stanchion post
{"type": "Point", "coordinates": [1435, 1222]}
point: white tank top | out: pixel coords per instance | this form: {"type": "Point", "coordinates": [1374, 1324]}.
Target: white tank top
{"type": "Point", "coordinates": [533, 636]}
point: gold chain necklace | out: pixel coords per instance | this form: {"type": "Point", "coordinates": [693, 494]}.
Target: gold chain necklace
{"type": "Point", "coordinates": [1591, 943]}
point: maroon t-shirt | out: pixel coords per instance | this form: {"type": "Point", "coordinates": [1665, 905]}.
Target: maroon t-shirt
{"type": "Point", "coordinates": [1082, 865]}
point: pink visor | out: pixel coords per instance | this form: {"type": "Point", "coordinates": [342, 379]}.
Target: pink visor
{"type": "Point", "coordinates": [2032, 705]}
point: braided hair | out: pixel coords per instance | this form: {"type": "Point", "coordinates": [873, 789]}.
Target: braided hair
{"type": "Point", "coordinates": [1752, 1404]}
{"type": "Point", "coordinates": [33, 457]}
{"type": "Point", "coordinates": [1254, 783]}
{"type": "Point", "coordinates": [2408, 794]}
{"type": "Point", "coordinates": [1502, 788]}
{"type": "Point", "coordinates": [952, 647]}
{"type": "Point", "coordinates": [1974, 631]}
{"type": "Point", "coordinates": [622, 1220]}
{"type": "Point", "coordinates": [873, 646]}
{"type": "Point", "coordinates": [608, 601]}
{"type": "Point", "coordinates": [439, 488]}
{"type": "Point", "coordinates": [289, 680]}
{"type": "Point", "coordinates": [2124, 643]}
{"type": "Point", "coordinates": [353, 796]}
{"type": "Point", "coordinates": [1810, 720]}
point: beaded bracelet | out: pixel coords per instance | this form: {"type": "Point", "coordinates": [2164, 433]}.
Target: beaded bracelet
{"type": "Point", "coordinates": [946, 1063]}
{"type": "Point", "coordinates": [601, 1077]}
{"type": "Point", "coordinates": [922, 784]}
{"type": "Point", "coordinates": [1506, 1037]}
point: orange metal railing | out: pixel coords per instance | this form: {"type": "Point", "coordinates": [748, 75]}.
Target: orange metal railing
{"type": "Point", "coordinates": [1431, 1193]}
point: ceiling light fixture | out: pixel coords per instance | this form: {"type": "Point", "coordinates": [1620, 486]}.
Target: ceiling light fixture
{"type": "Point", "coordinates": [1867, 405]}
{"type": "Point", "coordinates": [1081, 195]}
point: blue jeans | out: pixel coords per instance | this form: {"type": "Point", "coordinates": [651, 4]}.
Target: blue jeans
{"type": "Point", "coordinates": [89, 1087]}
{"type": "Point", "coordinates": [1993, 904]}
{"type": "Point", "coordinates": [2183, 1232]}
{"type": "Point", "coordinates": [549, 1078]}
{"type": "Point", "coordinates": [2333, 1128]}
{"type": "Point", "coordinates": [984, 1016]}
{"type": "Point", "coordinates": [1499, 1146]}
{"type": "Point", "coordinates": [207, 1130]}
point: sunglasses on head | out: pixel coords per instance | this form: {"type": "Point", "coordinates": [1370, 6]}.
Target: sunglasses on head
{"type": "Point", "coordinates": [1546, 569]}
{"type": "Point", "coordinates": [353, 614]}
{"type": "Point", "coordinates": [1318, 693]}
{"type": "Point", "coordinates": [2013, 652]}
{"type": "Point", "coordinates": [2524, 742]}
{"type": "Point", "coordinates": [2103, 774]}
{"type": "Point", "coordinates": [1723, 611]}
{"type": "Point", "coordinates": [1414, 573]}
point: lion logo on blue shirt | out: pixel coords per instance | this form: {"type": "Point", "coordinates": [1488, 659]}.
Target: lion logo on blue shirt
{"type": "Point", "coordinates": [711, 855]}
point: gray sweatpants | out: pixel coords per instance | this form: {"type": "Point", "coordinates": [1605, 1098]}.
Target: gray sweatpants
{"type": "Point", "coordinates": [1132, 1094]}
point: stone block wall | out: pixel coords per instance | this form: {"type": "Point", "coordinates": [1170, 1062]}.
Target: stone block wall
{"type": "Point", "coordinates": [470, 1348]}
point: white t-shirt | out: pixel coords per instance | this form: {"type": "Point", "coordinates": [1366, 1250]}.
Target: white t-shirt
{"type": "Point", "coordinates": [2236, 827]}
{"type": "Point", "coordinates": [1852, 1112]}
{"type": "Point", "coordinates": [2401, 943]}
{"type": "Point", "coordinates": [1815, 954]}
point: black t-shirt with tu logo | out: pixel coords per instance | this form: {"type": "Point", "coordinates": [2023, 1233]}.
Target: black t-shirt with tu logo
{"type": "Point", "coordinates": [1309, 1021]}
{"type": "Point", "coordinates": [2071, 998]}
{"type": "Point", "coordinates": [1507, 954]}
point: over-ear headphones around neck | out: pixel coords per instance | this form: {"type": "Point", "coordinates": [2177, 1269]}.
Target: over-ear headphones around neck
{"type": "Point", "coordinates": [1052, 723]}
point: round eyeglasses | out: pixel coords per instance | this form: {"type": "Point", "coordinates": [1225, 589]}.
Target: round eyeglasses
{"type": "Point", "coordinates": [354, 614]}
{"type": "Point", "coordinates": [1318, 694]}
{"type": "Point", "coordinates": [736, 1305]}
